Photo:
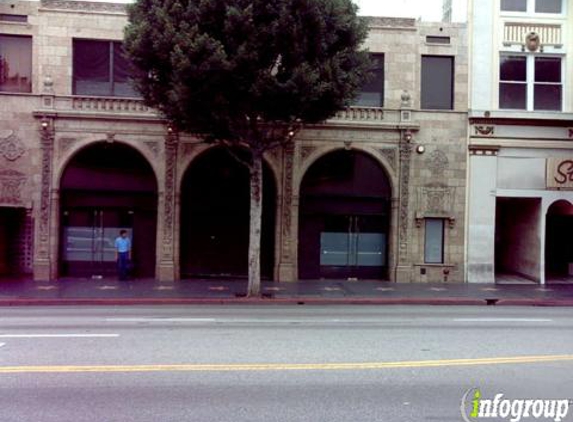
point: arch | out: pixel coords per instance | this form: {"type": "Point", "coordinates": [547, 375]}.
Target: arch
{"type": "Point", "coordinates": [560, 207]}
{"type": "Point", "coordinates": [368, 150]}
{"type": "Point", "coordinates": [203, 148]}
{"type": "Point", "coordinates": [345, 212]}
{"type": "Point", "coordinates": [214, 217]}
{"type": "Point", "coordinates": [558, 234]}
{"type": "Point", "coordinates": [76, 148]}
{"type": "Point", "coordinates": [105, 187]}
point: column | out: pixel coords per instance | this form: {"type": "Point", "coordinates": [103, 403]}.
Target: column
{"type": "Point", "coordinates": [43, 265]}
{"type": "Point", "coordinates": [288, 213]}
{"type": "Point", "coordinates": [167, 241]}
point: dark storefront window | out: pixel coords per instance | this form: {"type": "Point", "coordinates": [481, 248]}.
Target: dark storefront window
{"type": "Point", "coordinates": [100, 68]}
{"type": "Point", "coordinates": [372, 93]}
{"type": "Point", "coordinates": [437, 82]}
{"type": "Point", "coordinates": [15, 63]}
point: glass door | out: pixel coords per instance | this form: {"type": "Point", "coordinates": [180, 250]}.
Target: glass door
{"type": "Point", "coordinates": [352, 246]}
{"type": "Point", "coordinates": [88, 246]}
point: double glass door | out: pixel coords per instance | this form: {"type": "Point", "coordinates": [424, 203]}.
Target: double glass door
{"type": "Point", "coordinates": [88, 240]}
{"type": "Point", "coordinates": [352, 246]}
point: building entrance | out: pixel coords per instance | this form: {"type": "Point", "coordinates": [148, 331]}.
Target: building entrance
{"type": "Point", "coordinates": [88, 240]}
{"type": "Point", "coordinates": [558, 248]}
{"type": "Point", "coordinates": [344, 218]}
{"type": "Point", "coordinates": [106, 188]}
{"type": "Point", "coordinates": [215, 204]}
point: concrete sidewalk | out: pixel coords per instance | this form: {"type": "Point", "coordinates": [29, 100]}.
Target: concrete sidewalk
{"type": "Point", "coordinates": [211, 291]}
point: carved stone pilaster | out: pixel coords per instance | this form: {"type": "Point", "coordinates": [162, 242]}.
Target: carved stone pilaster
{"type": "Point", "coordinates": [47, 147]}
{"type": "Point", "coordinates": [286, 269]}
{"type": "Point", "coordinates": [171, 147]}
{"type": "Point", "coordinates": [287, 198]}
{"type": "Point", "coordinates": [405, 158]}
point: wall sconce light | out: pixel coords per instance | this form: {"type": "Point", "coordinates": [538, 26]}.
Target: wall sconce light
{"type": "Point", "coordinates": [408, 135]}
{"type": "Point", "coordinates": [420, 149]}
{"type": "Point", "coordinates": [45, 124]}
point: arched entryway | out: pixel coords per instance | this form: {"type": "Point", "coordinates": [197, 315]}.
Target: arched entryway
{"type": "Point", "coordinates": [215, 217]}
{"type": "Point", "coordinates": [104, 188]}
{"type": "Point", "coordinates": [558, 247]}
{"type": "Point", "coordinates": [344, 218]}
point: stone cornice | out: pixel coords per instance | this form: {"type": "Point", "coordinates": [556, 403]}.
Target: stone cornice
{"type": "Point", "coordinates": [84, 6]}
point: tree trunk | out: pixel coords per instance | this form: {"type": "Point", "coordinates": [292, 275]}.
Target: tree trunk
{"type": "Point", "coordinates": [256, 179]}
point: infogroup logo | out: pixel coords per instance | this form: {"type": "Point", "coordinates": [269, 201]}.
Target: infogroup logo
{"type": "Point", "coordinates": [475, 407]}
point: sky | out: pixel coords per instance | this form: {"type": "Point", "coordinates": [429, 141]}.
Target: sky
{"type": "Point", "coordinates": [427, 10]}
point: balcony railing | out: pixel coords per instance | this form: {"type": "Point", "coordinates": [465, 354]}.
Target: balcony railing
{"type": "Point", "coordinates": [515, 33]}
{"type": "Point", "coordinates": [360, 114]}
{"type": "Point", "coordinates": [106, 104]}
{"type": "Point", "coordinates": [135, 108]}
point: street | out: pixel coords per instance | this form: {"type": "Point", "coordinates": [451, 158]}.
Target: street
{"type": "Point", "coordinates": [276, 363]}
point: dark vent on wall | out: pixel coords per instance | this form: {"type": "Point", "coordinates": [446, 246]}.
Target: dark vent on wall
{"type": "Point", "coordinates": [6, 17]}
{"type": "Point", "coordinates": [435, 39]}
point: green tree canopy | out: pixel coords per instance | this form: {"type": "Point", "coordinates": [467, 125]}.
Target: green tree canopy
{"type": "Point", "coordinates": [216, 67]}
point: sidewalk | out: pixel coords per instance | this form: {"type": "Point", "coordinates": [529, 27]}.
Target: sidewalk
{"type": "Point", "coordinates": [152, 292]}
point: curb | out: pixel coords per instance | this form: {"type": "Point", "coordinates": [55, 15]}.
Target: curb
{"type": "Point", "coordinates": [300, 300]}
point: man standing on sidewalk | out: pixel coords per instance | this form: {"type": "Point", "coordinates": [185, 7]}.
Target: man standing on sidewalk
{"type": "Point", "coordinates": [122, 254]}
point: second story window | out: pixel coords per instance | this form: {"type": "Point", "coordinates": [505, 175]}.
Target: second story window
{"type": "Point", "coordinates": [372, 93]}
{"type": "Point", "coordinates": [532, 6]}
{"type": "Point", "coordinates": [530, 83]}
{"type": "Point", "coordinates": [437, 82]}
{"type": "Point", "coordinates": [100, 68]}
{"type": "Point", "coordinates": [15, 63]}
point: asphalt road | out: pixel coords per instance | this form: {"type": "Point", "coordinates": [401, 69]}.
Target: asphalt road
{"type": "Point", "coordinates": [276, 363]}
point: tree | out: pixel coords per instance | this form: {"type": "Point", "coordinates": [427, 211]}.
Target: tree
{"type": "Point", "coordinates": [247, 73]}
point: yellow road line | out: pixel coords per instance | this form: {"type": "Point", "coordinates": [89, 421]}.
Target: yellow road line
{"type": "Point", "coordinates": [283, 366]}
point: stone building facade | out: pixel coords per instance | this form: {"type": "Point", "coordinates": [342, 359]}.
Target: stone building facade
{"type": "Point", "coordinates": [520, 213]}
{"type": "Point", "coordinates": [376, 192]}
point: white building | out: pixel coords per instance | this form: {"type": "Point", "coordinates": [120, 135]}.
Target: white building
{"type": "Point", "coordinates": [520, 179]}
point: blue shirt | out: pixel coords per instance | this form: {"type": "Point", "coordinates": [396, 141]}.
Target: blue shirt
{"type": "Point", "coordinates": [122, 244]}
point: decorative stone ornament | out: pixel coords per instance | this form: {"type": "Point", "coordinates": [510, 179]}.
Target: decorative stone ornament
{"type": "Point", "coordinates": [532, 41]}
{"type": "Point", "coordinates": [11, 148]}
{"type": "Point", "coordinates": [11, 183]}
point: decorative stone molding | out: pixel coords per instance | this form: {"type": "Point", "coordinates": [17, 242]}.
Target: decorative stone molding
{"type": "Point", "coordinates": [532, 41]}
{"type": "Point", "coordinates": [306, 151]}
{"type": "Point", "coordinates": [436, 199]}
{"type": "Point", "coordinates": [47, 135]}
{"type": "Point", "coordinates": [11, 147]}
{"type": "Point", "coordinates": [153, 147]}
{"type": "Point", "coordinates": [11, 183]}
{"type": "Point", "coordinates": [405, 157]}
{"type": "Point", "coordinates": [187, 149]}
{"type": "Point", "coordinates": [488, 150]}
{"type": "Point", "coordinates": [437, 162]}
{"type": "Point", "coordinates": [287, 199]}
{"type": "Point", "coordinates": [171, 147]}
{"type": "Point", "coordinates": [483, 130]}
{"type": "Point", "coordinates": [84, 6]}
{"type": "Point", "coordinates": [390, 155]}
{"type": "Point", "coordinates": [65, 144]}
